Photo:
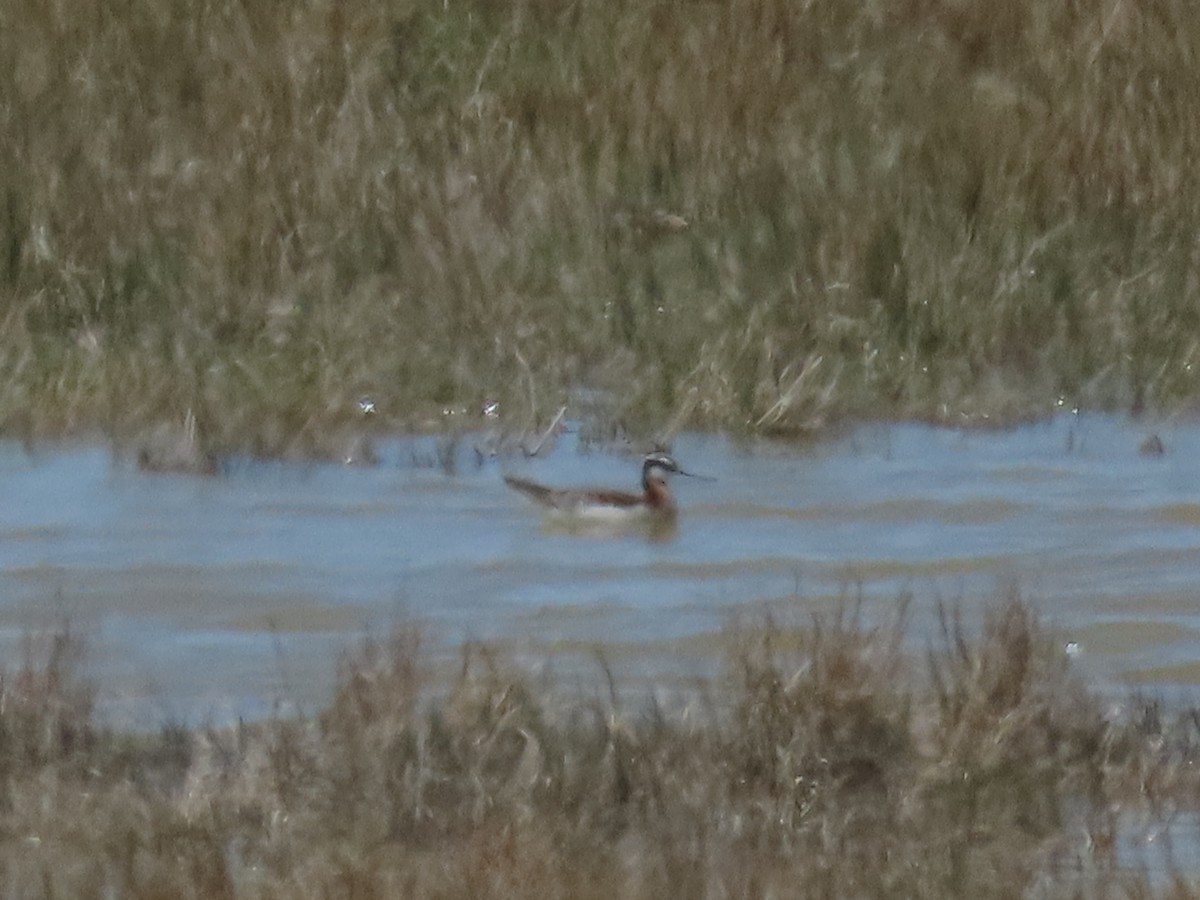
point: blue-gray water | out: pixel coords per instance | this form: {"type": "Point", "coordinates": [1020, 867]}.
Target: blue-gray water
{"type": "Point", "coordinates": [213, 597]}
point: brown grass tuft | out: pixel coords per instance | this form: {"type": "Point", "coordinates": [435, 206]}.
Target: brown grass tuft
{"type": "Point", "coordinates": [824, 763]}
{"type": "Point", "coordinates": [753, 215]}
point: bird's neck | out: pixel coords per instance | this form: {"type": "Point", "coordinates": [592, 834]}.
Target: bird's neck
{"type": "Point", "coordinates": [657, 495]}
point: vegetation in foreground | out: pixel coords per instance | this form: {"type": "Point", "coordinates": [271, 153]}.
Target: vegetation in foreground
{"type": "Point", "coordinates": [750, 214]}
{"type": "Point", "coordinates": [824, 763]}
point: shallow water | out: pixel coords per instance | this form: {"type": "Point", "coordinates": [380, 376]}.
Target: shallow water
{"type": "Point", "coordinates": [207, 598]}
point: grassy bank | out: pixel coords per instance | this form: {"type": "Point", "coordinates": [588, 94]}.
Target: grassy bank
{"type": "Point", "coordinates": [824, 763]}
{"type": "Point", "coordinates": [752, 214]}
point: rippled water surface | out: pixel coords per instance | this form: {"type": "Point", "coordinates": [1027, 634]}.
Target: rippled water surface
{"type": "Point", "coordinates": [210, 597]}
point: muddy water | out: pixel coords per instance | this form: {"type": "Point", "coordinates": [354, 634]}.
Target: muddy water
{"type": "Point", "coordinates": [206, 598]}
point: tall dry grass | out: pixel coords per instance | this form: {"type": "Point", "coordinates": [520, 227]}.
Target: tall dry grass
{"type": "Point", "coordinates": [260, 212]}
{"type": "Point", "coordinates": [824, 763]}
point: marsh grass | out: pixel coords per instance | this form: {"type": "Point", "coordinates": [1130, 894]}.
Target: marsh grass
{"type": "Point", "coordinates": [824, 762]}
{"type": "Point", "coordinates": [753, 214]}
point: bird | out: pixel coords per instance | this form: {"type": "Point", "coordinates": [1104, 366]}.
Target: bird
{"type": "Point", "coordinates": [609, 504]}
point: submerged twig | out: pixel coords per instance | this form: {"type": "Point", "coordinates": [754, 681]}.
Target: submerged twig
{"type": "Point", "coordinates": [552, 430]}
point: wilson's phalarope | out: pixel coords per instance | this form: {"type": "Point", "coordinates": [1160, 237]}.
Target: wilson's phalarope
{"type": "Point", "coordinates": [599, 504]}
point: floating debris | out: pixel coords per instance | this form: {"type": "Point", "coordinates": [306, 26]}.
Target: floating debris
{"type": "Point", "coordinates": [1152, 446]}
{"type": "Point", "coordinates": [347, 446]}
{"type": "Point", "coordinates": [358, 450]}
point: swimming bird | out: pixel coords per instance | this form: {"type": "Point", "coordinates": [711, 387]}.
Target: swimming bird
{"type": "Point", "coordinates": [600, 503]}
